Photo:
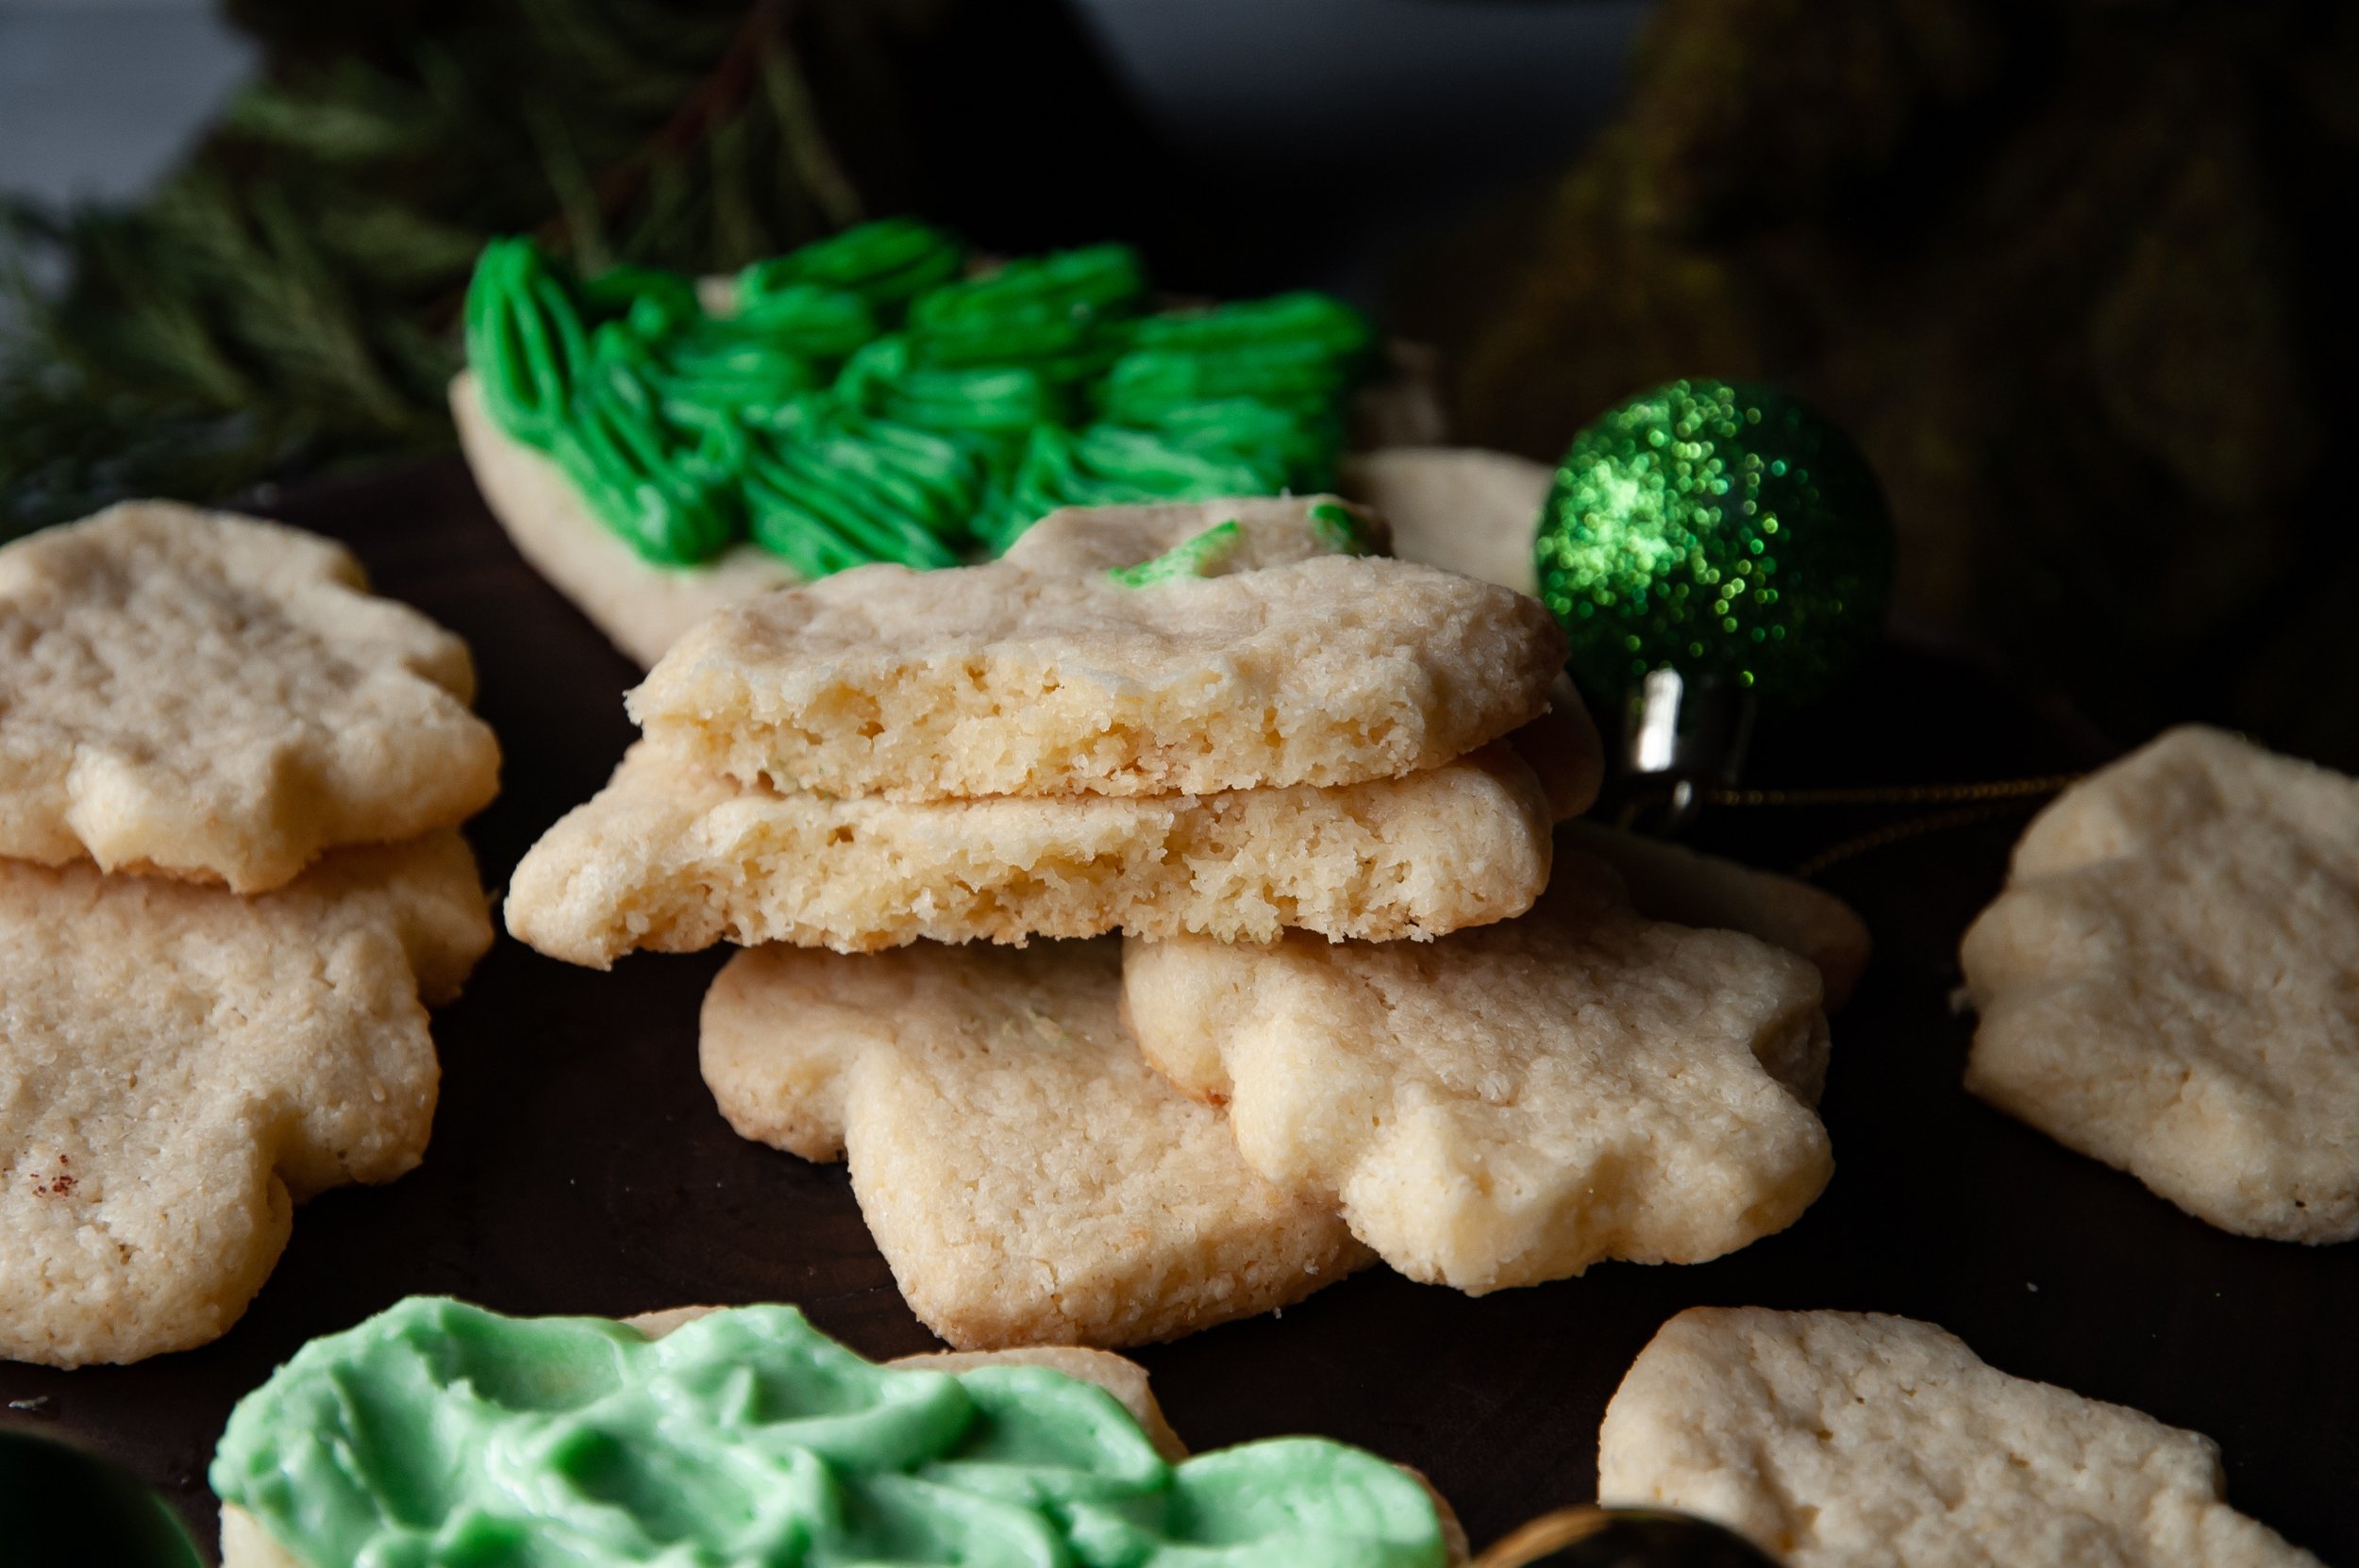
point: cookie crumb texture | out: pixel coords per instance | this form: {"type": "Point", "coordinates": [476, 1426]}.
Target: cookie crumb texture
{"type": "Point", "coordinates": [179, 1066]}
{"type": "Point", "coordinates": [1028, 1177]}
{"type": "Point", "coordinates": [1840, 1440]}
{"type": "Point", "coordinates": [1509, 1105]}
{"type": "Point", "coordinates": [216, 698]}
{"type": "Point", "coordinates": [2166, 982]}
{"type": "Point", "coordinates": [1038, 673]}
{"type": "Point", "coordinates": [666, 858]}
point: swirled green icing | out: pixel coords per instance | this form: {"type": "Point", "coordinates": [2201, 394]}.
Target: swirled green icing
{"type": "Point", "coordinates": [821, 326]}
{"type": "Point", "coordinates": [999, 402]}
{"type": "Point", "coordinates": [655, 301]}
{"type": "Point", "coordinates": [1108, 465]}
{"type": "Point", "coordinates": [862, 401]}
{"type": "Point", "coordinates": [436, 1435]}
{"type": "Point", "coordinates": [666, 490]}
{"type": "Point", "coordinates": [887, 263]}
{"type": "Point", "coordinates": [525, 338]}
{"type": "Point", "coordinates": [1050, 313]}
{"type": "Point", "coordinates": [829, 487]}
{"type": "Point", "coordinates": [1296, 351]}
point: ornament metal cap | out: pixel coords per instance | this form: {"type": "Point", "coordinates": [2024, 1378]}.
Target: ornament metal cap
{"type": "Point", "coordinates": [1678, 733]}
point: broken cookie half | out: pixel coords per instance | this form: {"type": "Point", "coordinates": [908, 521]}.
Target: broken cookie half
{"type": "Point", "coordinates": [668, 858]}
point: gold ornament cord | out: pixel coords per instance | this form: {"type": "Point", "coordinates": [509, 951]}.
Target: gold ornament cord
{"type": "Point", "coordinates": [1971, 803]}
{"type": "Point", "coordinates": [1655, 1538]}
{"type": "Point", "coordinates": [1549, 1533]}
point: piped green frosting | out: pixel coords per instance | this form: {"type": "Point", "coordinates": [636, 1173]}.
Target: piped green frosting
{"type": "Point", "coordinates": [436, 1435]}
{"type": "Point", "coordinates": [863, 399]}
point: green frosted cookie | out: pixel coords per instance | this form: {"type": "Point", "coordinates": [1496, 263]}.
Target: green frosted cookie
{"type": "Point", "coordinates": [795, 417]}
{"type": "Point", "coordinates": [438, 1435]}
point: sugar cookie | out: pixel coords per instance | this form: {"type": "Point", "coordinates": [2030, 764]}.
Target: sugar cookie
{"type": "Point", "coordinates": [1670, 881]}
{"type": "Point", "coordinates": [1025, 1173]}
{"type": "Point", "coordinates": [216, 698]}
{"type": "Point", "coordinates": [1255, 656]}
{"type": "Point", "coordinates": [1511, 1104]}
{"type": "Point", "coordinates": [1459, 508]}
{"type": "Point", "coordinates": [179, 1065]}
{"type": "Point", "coordinates": [2166, 982]}
{"type": "Point", "coordinates": [665, 858]}
{"type": "Point", "coordinates": [1842, 1440]}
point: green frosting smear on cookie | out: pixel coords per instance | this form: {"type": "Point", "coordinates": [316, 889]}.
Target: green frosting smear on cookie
{"type": "Point", "coordinates": [1342, 532]}
{"type": "Point", "coordinates": [1193, 557]}
{"type": "Point", "coordinates": [436, 1435]}
{"type": "Point", "coordinates": [865, 399]}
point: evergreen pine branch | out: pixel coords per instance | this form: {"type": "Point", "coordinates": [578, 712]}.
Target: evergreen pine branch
{"type": "Point", "coordinates": [288, 297]}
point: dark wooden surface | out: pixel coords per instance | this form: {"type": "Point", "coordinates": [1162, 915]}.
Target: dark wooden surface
{"type": "Point", "coordinates": [579, 1164]}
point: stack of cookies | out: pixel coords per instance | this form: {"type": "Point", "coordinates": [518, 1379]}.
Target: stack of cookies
{"type": "Point", "coordinates": [1314, 789]}
{"type": "Point", "coordinates": [229, 785]}
{"type": "Point", "coordinates": [1227, 718]}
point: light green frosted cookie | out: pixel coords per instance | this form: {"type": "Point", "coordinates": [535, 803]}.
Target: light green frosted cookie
{"type": "Point", "coordinates": [438, 1435]}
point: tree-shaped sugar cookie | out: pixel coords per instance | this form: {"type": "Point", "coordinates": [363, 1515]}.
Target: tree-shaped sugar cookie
{"type": "Point", "coordinates": [1155, 650]}
{"type": "Point", "coordinates": [1846, 1439]}
{"type": "Point", "coordinates": [179, 1065]}
{"type": "Point", "coordinates": [216, 698]}
{"type": "Point", "coordinates": [1515, 1101]}
{"type": "Point", "coordinates": [670, 859]}
{"type": "Point", "coordinates": [2167, 982]}
{"type": "Point", "coordinates": [1027, 1175]}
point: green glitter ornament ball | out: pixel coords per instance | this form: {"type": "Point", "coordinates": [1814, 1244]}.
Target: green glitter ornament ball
{"type": "Point", "coordinates": [1721, 529]}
